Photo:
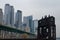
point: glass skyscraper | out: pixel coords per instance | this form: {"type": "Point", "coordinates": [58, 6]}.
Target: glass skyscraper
{"type": "Point", "coordinates": [9, 15]}
{"type": "Point", "coordinates": [18, 19]}
{"type": "Point", "coordinates": [12, 16]}
{"type": "Point", "coordinates": [29, 22]}
{"type": "Point", "coordinates": [35, 24]}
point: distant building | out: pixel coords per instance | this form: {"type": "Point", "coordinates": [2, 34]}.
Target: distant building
{"type": "Point", "coordinates": [35, 23]}
{"type": "Point", "coordinates": [1, 16]}
{"type": "Point", "coordinates": [12, 16]}
{"type": "Point", "coordinates": [9, 15]}
{"type": "Point", "coordinates": [18, 19]}
{"type": "Point", "coordinates": [23, 26]}
{"type": "Point", "coordinates": [27, 29]}
{"type": "Point", "coordinates": [29, 22]}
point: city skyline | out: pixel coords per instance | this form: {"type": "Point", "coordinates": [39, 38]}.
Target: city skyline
{"type": "Point", "coordinates": [37, 8]}
{"type": "Point", "coordinates": [8, 19]}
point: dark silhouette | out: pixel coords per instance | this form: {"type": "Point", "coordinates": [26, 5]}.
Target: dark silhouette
{"type": "Point", "coordinates": [46, 28]}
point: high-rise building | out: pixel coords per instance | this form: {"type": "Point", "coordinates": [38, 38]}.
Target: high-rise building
{"type": "Point", "coordinates": [9, 15]}
{"type": "Point", "coordinates": [18, 19]}
{"type": "Point", "coordinates": [25, 28]}
{"type": "Point", "coordinates": [1, 16]}
{"type": "Point", "coordinates": [29, 22]}
{"type": "Point", "coordinates": [12, 16]}
{"type": "Point", "coordinates": [6, 11]}
{"type": "Point", "coordinates": [35, 24]}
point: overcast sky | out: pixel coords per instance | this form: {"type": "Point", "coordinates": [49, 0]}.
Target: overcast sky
{"type": "Point", "coordinates": [37, 8]}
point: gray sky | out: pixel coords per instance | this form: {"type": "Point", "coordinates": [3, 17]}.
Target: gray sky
{"type": "Point", "coordinates": [37, 8]}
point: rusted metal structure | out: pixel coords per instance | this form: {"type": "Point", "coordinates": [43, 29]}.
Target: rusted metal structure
{"type": "Point", "coordinates": [46, 28]}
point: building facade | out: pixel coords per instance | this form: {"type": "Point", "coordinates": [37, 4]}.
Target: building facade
{"type": "Point", "coordinates": [1, 16]}
{"type": "Point", "coordinates": [9, 15]}
{"type": "Point", "coordinates": [18, 19]}
{"type": "Point", "coordinates": [12, 16]}
{"type": "Point", "coordinates": [35, 23]}
{"type": "Point", "coordinates": [29, 22]}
